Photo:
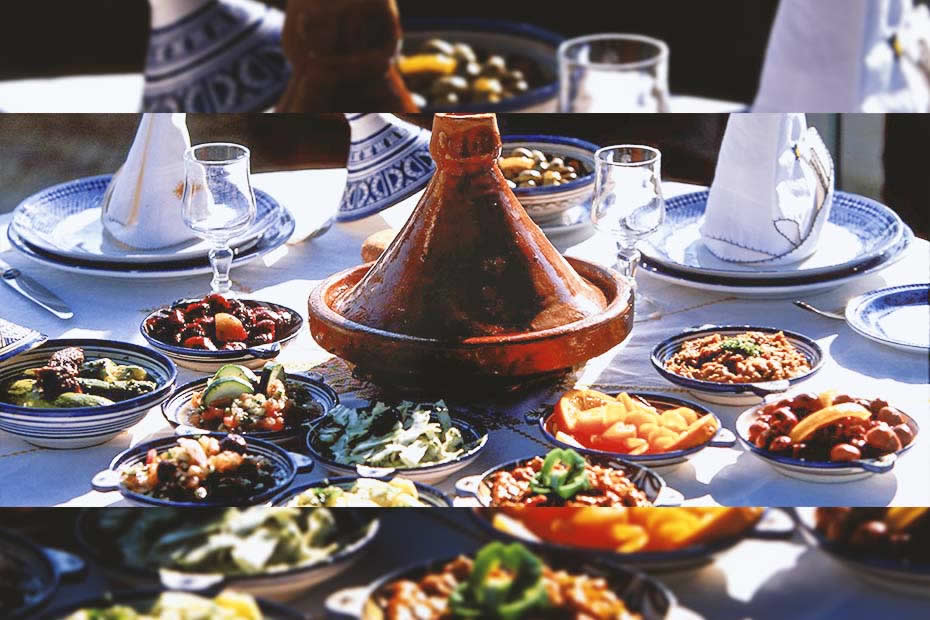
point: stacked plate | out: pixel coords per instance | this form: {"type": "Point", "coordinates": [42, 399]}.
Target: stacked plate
{"type": "Point", "coordinates": [61, 227]}
{"type": "Point", "coordinates": [862, 237]}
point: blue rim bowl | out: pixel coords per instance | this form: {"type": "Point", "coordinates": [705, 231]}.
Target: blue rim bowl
{"type": "Point", "coordinates": [429, 495]}
{"type": "Point", "coordinates": [44, 567]}
{"type": "Point", "coordinates": [140, 599]}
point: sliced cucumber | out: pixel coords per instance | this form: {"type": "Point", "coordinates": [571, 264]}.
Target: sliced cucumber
{"type": "Point", "coordinates": [226, 389]}
{"type": "Point", "coordinates": [237, 371]}
{"type": "Point", "coordinates": [271, 371]}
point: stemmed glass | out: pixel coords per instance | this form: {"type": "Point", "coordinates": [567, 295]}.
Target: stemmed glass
{"type": "Point", "coordinates": [218, 201]}
{"type": "Point", "coordinates": [628, 204]}
{"type": "Point", "coordinates": [613, 73]}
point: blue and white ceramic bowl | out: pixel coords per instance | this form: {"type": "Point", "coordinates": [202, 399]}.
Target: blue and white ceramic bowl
{"type": "Point", "coordinates": [642, 594]}
{"type": "Point", "coordinates": [773, 524]}
{"type": "Point", "coordinates": [360, 527]}
{"type": "Point", "coordinates": [202, 360]}
{"type": "Point", "coordinates": [821, 471]}
{"type": "Point", "coordinates": [177, 409]}
{"type": "Point", "coordinates": [142, 601]}
{"type": "Point", "coordinates": [733, 393]}
{"type": "Point", "coordinates": [44, 567]}
{"type": "Point", "coordinates": [428, 495]}
{"type": "Point", "coordinates": [724, 438]}
{"type": "Point", "coordinates": [897, 575]}
{"type": "Point", "coordinates": [475, 441]}
{"type": "Point", "coordinates": [504, 38]}
{"type": "Point", "coordinates": [547, 203]}
{"type": "Point", "coordinates": [287, 465]}
{"type": "Point", "coordinates": [85, 426]}
{"type": "Point", "coordinates": [643, 478]}
{"type": "Point", "coordinates": [889, 316]}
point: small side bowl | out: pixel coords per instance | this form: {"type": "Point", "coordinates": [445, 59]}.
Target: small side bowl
{"type": "Point", "coordinates": [427, 474]}
{"type": "Point", "coordinates": [546, 203]}
{"type": "Point", "coordinates": [899, 576]}
{"type": "Point", "coordinates": [287, 464]}
{"type": "Point", "coordinates": [774, 524]}
{"type": "Point", "coordinates": [734, 393]}
{"type": "Point", "coordinates": [144, 598]}
{"type": "Point", "coordinates": [724, 438]}
{"type": "Point", "coordinates": [820, 471]}
{"type": "Point", "coordinates": [177, 409]}
{"type": "Point", "coordinates": [283, 585]}
{"type": "Point", "coordinates": [211, 361]}
{"type": "Point", "coordinates": [431, 496]}
{"type": "Point", "coordinates": [642, 594]}
{"type": "Point", "coordinates": [46, 568]}
{"type": "Point", "coordinates": [82, 427]}
{"type": "Point", "coordinates": [646, 480]}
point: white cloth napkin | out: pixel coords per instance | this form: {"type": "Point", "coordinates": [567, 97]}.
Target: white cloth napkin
{"type": "Point", "coordinates": [142, 205]}
{"type": "Point", "coordinates": [772, 190]}
{"type": "Point", "coordinates": [847, 56]}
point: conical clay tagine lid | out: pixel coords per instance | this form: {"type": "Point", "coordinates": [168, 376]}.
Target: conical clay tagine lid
{"type": "Point", "coordinates": [469, 262]}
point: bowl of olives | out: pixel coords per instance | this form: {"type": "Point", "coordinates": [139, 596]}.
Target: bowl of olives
{"type": "Point", "coordinates": [548, 174]}
{"type": "Point", "coordinates": [479, 65]}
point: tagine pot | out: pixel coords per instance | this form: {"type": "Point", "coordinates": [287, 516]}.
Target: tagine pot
{"type": "Point", "coordinates": [214, 56]}
{"type": "Point", "coordinates": [470, 292]}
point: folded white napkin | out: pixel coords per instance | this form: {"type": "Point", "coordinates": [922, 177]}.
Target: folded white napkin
{"type": "Point", "coordinates": [142, 205]}
{"type": "Point", "coordinates": [847, 56]}
{"type": "Point", "coordinates": [772, 191]}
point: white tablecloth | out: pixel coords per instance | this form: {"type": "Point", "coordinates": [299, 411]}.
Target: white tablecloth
{"type": "Point", "coordinates": [122, 92]}
{"type": "Point", "coordinates": [113, 308]}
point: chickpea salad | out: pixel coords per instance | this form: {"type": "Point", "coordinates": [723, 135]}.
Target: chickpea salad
{"type": "Point", "coordinates": [237, 400]}
{"type": "Point", "coordinates": [404, 436]}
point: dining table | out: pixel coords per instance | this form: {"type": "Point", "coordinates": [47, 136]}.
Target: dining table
{"type": "Point", "coordinates": [113, 308]}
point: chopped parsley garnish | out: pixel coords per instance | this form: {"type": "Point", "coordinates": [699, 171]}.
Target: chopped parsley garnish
{"type": "Point", "coordinates": [741, 345]}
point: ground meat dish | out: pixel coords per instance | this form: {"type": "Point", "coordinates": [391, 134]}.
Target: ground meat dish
{"type": "Point", "coordinates": [609, 487]}
{"type": "Point", "coordinates": [572, 597]}
{"type": "Point", "coordinates": [744, 358]}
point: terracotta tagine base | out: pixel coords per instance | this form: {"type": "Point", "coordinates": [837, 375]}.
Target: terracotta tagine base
{"type": "Point", "coordinates": [403, 362]}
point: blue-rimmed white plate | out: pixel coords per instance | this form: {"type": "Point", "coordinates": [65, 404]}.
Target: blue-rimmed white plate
{"type": "Point", "coordinates": [858, 230]}
{"type": "Point", "coordinates": [897, 316]}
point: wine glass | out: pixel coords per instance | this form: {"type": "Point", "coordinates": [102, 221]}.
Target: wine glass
{"type": "Point", "coordinates": [613, 73]}
{"type": "Point", "coordinates": [628, 205]}
{"type": "Point", "coordinates": [218, 201]}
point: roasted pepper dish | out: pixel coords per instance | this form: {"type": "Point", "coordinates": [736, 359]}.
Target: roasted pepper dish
{"type": "Point", "coordinates": [70, 380]}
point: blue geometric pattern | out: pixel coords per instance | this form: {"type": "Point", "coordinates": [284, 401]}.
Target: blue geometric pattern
{"type": "Point", "coordinates": [15, 339]}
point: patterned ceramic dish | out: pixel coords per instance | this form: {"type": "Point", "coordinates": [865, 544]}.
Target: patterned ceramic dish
{"type": "Point", "coordinates": [272, 238]}
{"type": "Point", "coordinates": [282, 585]}
{"type": "Point", "coordinates": [475, 441]}
{"type": "Point", "coordinates": [143, 600]}
{"type": "Point", "coordinates": [546, 203]}
{"type": "Point", "coordinates": [857, 231]}
{"type": "Point", "coordinates": [15, 339]}
{"type": "Point", "coordinates": [724, 438]}
{"type": "Point", "coordinates": [498, 37]}
{"type": "Point", "coordinates": [775, 524]}
{"type": "Point", "coordinates": [287, 465]}
{"type": "Point", "coordinates": [821, 471]}
{"type": "Point", "coordinates": [202, 360]}
{"type": "Point", "coordinates": [733, 393]}
{"type": "Point", "coordinates": [641, 593]}
{"type": "Point", "coordinates": [889, 315]}
{"type": "Point", "coordinates": [44, 568]}
{"type": "Point", "coordinates": [646, 480]}
{"type": "Point", "coordinates": [64, 220]}
{"type": "Point", "coordinates": [431, 496]}
{"type": "Point", "coordinates": [85, 426]}
{"type": "Point", "coordinates": [900, 576]}
{"type": "Point", "coordinates": [177, 409]}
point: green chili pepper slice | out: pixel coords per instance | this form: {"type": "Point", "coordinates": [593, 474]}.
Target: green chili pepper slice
{"type": "Point", "coordinates": [567, 482]}
{"type": "Point", "coordinates": [506, 583]}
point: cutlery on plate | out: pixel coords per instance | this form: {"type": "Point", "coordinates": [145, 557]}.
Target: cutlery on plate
{"type": "Point", "coordinates": [830, 315]}
{"type": "Point", "coordinates": [33, 291]}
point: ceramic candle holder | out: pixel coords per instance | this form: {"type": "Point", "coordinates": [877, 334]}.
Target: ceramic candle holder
{"type": "Point", "coordinates": [389, 160]}
{"type": "Point", "coordinates": [214, 56]}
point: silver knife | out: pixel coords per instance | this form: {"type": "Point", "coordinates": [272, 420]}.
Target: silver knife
{"type": "Point", "coordinates": [35, 292]}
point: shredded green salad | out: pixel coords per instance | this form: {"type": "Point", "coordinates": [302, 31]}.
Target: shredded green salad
{"type": "Point", "coordinates": [230, 541]}
{"type": "Point", "coordinates": [403, 436]}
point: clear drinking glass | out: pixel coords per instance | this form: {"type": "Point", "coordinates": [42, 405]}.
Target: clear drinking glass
{"type": "Point", "coordinates": [219, 203]}
{"type": "Point", "coordinates": [613, 73]}
{"type": "Point", "coordinates": [628, 204]}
